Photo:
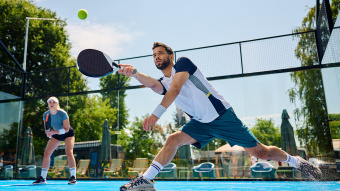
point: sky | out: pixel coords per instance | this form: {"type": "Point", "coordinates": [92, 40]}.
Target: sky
{"type": "Point", "coordinates": [128, 28]}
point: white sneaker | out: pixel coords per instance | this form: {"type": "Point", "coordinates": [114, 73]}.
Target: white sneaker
{"type": "Point", "coordinates": [139, 184]}
{"type": "Point", "coordinates": [310, 169]}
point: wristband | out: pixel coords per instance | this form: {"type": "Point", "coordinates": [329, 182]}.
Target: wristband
{"type": "Point", "coordinates": [61, 131]}
{"type": "Point", "coordinates": [158, 112]}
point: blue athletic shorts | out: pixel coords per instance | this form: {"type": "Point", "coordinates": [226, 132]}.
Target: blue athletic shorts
{"type": "Point", "coordinates": [226, 127]}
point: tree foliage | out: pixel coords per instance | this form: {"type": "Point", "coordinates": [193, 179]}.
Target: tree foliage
{"type": "Point", "coordinates": [111, 82]}
{"type": "Point", "coordinates": [89, 121]}
{"type": "Point", "coordinates": [266, 132]}
{"type": "Point", "coordinates": [335, 125]}
{"type": "Point", "coordinates": [138, 143]}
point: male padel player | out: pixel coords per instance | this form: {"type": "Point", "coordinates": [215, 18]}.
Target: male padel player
{"type": "Point", "coordinates": [211, 117]}
{"type": "Point", "coordinates": [62, 132]}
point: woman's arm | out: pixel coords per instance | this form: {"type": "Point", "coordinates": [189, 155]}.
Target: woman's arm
{"type": "Point", "coordinates": [66, 124]}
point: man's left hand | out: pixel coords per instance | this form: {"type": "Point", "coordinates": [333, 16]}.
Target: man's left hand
{"type": "Point", "coordinates": [150, 123]}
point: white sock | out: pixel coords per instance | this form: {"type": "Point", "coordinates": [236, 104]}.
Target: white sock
{"type": "Point", "coordinates": [44, 172]}
{"type": "Point", "coordinates": [153, 170]}
{"type": "Point", "coordinates": [292, 160]}
{"type": "Point", "coordinates": [73, 172]}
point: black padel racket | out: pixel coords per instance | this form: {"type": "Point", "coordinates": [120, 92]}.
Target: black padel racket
{"type": "Point", "coordinates": [96, 64]}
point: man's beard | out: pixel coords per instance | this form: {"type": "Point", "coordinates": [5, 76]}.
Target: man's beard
{"type": "Point", "coordinates": [164, 64]}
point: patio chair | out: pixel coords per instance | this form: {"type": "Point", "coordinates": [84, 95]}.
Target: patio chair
{"type": "Point", "coordinates": [140, 165]}
{"type": "Point", "coordinates": [285, 172]}
{"type": "Point", "coordinates": [7, 172]}
{"type": "Point", "coordinates": [169, 171]}
{"type": "Point", "coordinates": [206, 169]}
{"type": "Point", "coordinates": [28, 172]}
{"type": "Point", "coordinates": [114, 168]}
{"type": "Point", "coordinates": [83, 168]}
{"type": "Point", "coordinates": [262, 170]}
{"type": "Point", "coordinates": [58, 169]}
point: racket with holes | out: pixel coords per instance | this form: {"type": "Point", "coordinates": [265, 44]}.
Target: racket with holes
{"type": "Point", "coordinates": [96, 64]}
{"type": "Point", "coordinates": [48, 122]}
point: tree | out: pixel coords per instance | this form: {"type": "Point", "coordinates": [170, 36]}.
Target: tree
{"type": "Point", "coordinates": [266, 132]}
{"type": "Point", "coordinates": [110, 82]}
{"type": "Point", "coordinates": [335, 125]}
{"type": "Point", "coordinates": [138, 143]}
{"type": "Point", "coordinates": [313, 129]}
{"type": "Point", "coordinates": [88, 123]}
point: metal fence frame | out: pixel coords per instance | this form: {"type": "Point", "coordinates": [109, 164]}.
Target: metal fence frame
{"type": "Point", "coordinates": [24, 74]}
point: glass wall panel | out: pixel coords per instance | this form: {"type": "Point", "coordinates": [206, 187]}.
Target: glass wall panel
{"type": "Point", "coordinates": [9, 124]}
{"type": "Point", "coordinates": [333, 48]}
{"type": "Point", "coordinates": [108, 124]}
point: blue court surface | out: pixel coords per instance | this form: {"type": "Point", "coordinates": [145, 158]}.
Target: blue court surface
{"type": "Point", "coordinates": [173, 185]}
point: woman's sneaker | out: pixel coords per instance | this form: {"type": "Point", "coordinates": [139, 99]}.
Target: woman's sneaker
{"type": "Point", "coordinates": [72, 180]}
{"type": "Point", "coordinates": [138, 184]}
{"type": "Point", "coordinates": [308, 168]}
{"type": "Point", "coordinates": [40, 180]}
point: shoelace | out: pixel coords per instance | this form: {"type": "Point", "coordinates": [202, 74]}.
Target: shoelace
{"type": "Point", "coordinates": [134, 180]}
{"type": "Point", "coordinates": [137, 182]}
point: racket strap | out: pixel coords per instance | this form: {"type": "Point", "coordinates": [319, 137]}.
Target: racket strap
{"type": "Point", "coordinates": [47, 117]}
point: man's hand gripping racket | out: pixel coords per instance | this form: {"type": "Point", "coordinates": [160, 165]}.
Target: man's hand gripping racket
{"type": "Point", "coordinates": [96, 64]}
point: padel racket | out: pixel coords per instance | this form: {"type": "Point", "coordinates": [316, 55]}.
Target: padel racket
{"type": "Point", "coordinates": [96, 64]}
{"type": "Point", "coordinates": [48, 122]}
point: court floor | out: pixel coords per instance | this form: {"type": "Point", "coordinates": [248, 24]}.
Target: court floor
{"type": "Point", "coordinates": [173, 185]}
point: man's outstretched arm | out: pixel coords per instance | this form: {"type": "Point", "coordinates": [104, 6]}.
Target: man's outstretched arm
{"type": "Point", "coordinates": [146, 80]}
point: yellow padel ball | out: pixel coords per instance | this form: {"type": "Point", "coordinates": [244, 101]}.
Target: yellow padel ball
{"type": "Point", "coordinates": [82, 14]}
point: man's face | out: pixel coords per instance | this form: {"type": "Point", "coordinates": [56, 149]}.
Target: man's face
{"type": "Point", "coordinates": [161, 58]}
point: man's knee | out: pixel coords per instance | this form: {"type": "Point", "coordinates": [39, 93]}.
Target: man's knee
{"type": "Point", "coordinates": [174, 139]}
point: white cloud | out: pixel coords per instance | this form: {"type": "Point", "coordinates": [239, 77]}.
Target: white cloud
{"type": "Point", "coordinates": [106, 38]}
